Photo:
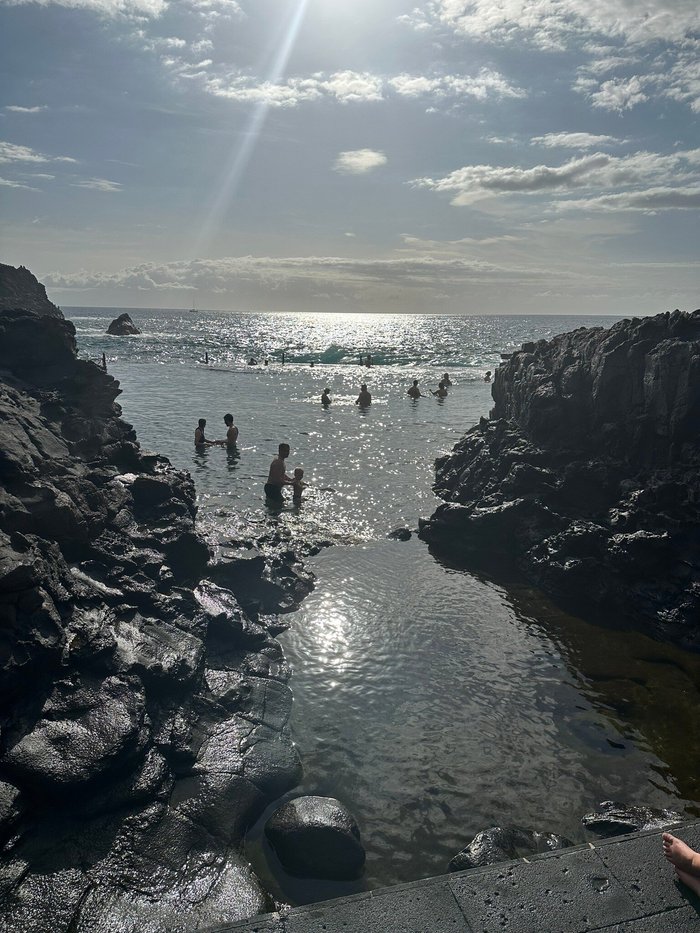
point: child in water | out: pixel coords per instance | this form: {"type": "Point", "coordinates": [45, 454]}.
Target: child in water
{"type": "Point", "coordinates": [298, 485]}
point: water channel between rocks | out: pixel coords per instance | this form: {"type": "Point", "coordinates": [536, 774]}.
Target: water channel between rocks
{"type": "Point", "coordinates": [433, 702]}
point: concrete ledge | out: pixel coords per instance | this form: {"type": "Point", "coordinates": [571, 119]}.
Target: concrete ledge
{"type": "Point", "coordinates": [620, 885]}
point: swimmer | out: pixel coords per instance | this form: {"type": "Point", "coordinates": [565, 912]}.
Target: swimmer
{"type": "Point", "coordinates": [364, 398]}
{"type": "Point", "coordinates": [267, 362]}
{"type": "Point", "coordinates": [298, 486]}
{"type": "Point", "coordinates": [685, 860]}
{"type": "Point", "coordinates": [277, 477]}
{"type": "Point", "coordinates": [231, 431]}
{"type": "Point", "coordinates": [206, 358]}
{"type": "Point", "coordinates": [325, 398]}
{"type": "Point", "coordinates": [446, 380]}
{"type": "Point", "coordinates": [441, 390]}
{"type": "Point", "coordinates": [199, 438]}
{"type": "Point", "coordinates": [361, 360]}
{"type": "Point", "coordinates": [104, 362]}
{"type": "Point", "coordinates": [487, 377]}
{"type": "Point", "coordinates": [414, 391]}
{"type": "Point", "coordinates": [252, 361]}
{"type": "Point", "coordinates": [368, 361]}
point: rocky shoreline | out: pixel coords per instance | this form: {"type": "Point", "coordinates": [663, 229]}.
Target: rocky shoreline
{"type": "Point", "coordinates": [144, 726]}
{"type": "Point", "coordinates": [586, 477]}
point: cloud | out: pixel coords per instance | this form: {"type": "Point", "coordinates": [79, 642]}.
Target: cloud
{"type": "Point", "coordinates": [98, 184]}
{"type": "Point", "coordinates": [9, 152]}
{"type": "Point", "coordinates": [651, 200]}
{"type": "Point", "coordinates": [554, 24]}
{"type": "Point", "coordinates": [487, 83]}
{"type": "Point", "coordinates": [359, 161]}
{"type": "Point", "coordinates": [7, 183]}
{"type": "Point", "coordinates": [574, 140]}
{"type": "Point", "coordinates": [14, 108]}
{"type": "Point", "coordinates": [109, 8]}
{"type": "Point", "coordinates": [345, 86]}
{"type": "Point", "coordinates": [598, 170]}
{"type": "Point", "coordinates": [620, 94]}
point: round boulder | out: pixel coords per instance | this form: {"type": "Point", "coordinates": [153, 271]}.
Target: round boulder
{"type": "Point", "coordinates": [122, 326]}
{"type": "Point", "coordinates": [316, 837]}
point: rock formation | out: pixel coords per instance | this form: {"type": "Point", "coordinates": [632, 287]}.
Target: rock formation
{"type": "Point", "coordinates": [317, 837]}
{"type": "Point", "coordinates": [144, 715]}
{"type": "Point", "coordinates": [503, 843]}
{"type": "Point", "coordinates": [587, 476]}
{"type": "Point", "coordinates": [122, 326]}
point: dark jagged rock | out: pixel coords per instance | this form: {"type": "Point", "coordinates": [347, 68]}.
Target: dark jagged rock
{"type": "Point", "coordinates": [616, 819]}
{"type": "Point", "coordinates": [122, 326]}
{"type": "Point", "coordinates": [503, 843]}
{"type": "Point", "coordinates": [400, 534]}
{"type": "Point", "coordinates": [144, 716]}
{"type": "Point", "coordinates": [316, 837]}
{"type": "Point", "coordinates": [587, 476]}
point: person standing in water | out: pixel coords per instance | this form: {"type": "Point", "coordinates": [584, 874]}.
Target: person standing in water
{"type": "Point", "coordinates": [231, 431]}
{"type": "Point", "coordinates": [199, 438]}
{"type": "Point", "coordinates": [325, 398]}
{"type": "Point", "coordinates": [298, 486]}
{"type": "Point", "coordinates": [414, 391]}
{"type": "Point", "coordinates": [487, 377]}
{"type": "Point", "coordinates": [277, 477]}
{"type": "Point", "coordinates": [104, 362]}
{"type": "Point", "coordinates": [446, 381]}
{"type": "Point", "coordinates": [441, 390]}
{"type": "Point", "coordinates": [364, 399]}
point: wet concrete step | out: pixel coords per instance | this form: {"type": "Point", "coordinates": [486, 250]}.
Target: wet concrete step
{"type": "Point", "coordinates": [620, 885]}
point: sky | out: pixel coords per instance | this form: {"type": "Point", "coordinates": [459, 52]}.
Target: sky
{"type": "Point", "coordinates": [457, 156]}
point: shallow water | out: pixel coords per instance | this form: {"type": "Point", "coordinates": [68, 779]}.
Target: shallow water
{"type": "Point", "coordinates": [431, 701]}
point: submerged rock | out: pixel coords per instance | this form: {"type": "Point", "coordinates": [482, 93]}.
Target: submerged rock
{"type": "Point", "coordinates": [587, 477]}
{"type": "Point", "coordinates": [316, 837]}
{"type": "Point", "coordinates": [616, 819]}
{"type": "Point", "coordinates": [503, 843]}
{"type": "Point", "coordinates": [145, 714]}
{"type": "Point", "coordinates": [400, 534]}
{"type": "Point", "coordinates": [122, 326]}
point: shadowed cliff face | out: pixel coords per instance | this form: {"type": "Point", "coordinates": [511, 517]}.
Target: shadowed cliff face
{"type": "Point", "coordinates": [144, 715]}
{"type": "Point", "coordinates": [586, 477]}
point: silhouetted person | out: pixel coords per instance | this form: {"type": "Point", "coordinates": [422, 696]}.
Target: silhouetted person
{"type": "Point", "coordinates": [364, 399]}
{"type": "Point", "coordinates": [199, 438]}
{"type": "Point", "coordinates": [104, 362]}
{"type": "Point", "coordinates": [298, 486]}
{"type": "Point", "coordinates": [231, 431]}
{"type": "Point", "coordinates": [206, 357]}
{"type": "Point", "coordinates": [487, 377]}
{"type": "Point", "coordinates": [446, 381]}
{"type": "Point", "coordinates": [277, 477]}
{"type": "Point", "coordinates": [414, 391]}
{"type": "Point", "coordinates": [325, 398]}
{"type": "Point", "coordinates": [252, 361]}
{"type": "Point", "coordinates": [441, 391]}
{"type": "Point", "coordinates": [362, 363]}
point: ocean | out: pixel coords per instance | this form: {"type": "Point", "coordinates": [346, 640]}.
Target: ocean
{"type": "Point", "coordinates": [432, 701]}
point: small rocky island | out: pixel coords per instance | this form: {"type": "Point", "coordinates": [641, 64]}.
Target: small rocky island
{"type": "Point", "coordinates": [123, 326]}
{"type": "Point", "coordinates": [144, 715]}
{"type": "Point", "coordinates": [586, 477]}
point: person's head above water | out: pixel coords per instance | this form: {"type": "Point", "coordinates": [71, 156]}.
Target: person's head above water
{"type": "Point", "coordinates": [363, 387]}
{"type": "Point", "coordinates": [228, 419]}
{"type": "Point", "coordinates": [283, 451]}
{"type": "Point", "coordinates": [415, 382]}
{"type": "Point", "coordinates": [202, 423]}
{"type": "Point", "coordinates": [298, 473]}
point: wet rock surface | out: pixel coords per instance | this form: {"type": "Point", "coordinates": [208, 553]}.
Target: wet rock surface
{"type": "Point", "coordinates": [503, 843]}
{"type": "Point", "coordinates": [144, 716]}
{"type": "Point", "coordinates": [122, 326]}
{"type": "Point", "coordinates": [586, 479]}
{"type": "Point", "coordinates": [316, 837]}
{"type": "Point", "coordinates": [616, 819]}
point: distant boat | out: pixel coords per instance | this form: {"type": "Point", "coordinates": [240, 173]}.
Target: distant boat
{"type": "Point", "coordinates": [192, 310]}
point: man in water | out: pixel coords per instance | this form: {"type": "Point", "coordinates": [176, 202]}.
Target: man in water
{"type": "Point", "coordinates": [325, 398]}
{"type": "Point", "coordinates": [441, 390]}
{"type": "Point", "coordinates": [231, 431]}
{"type": "Point", "coordinates": [414, 391]}
{"type": "Point", "coordinates": [364, 399]}
{"type": "Point", "coordinates": [277, 477]}
{"type": "Point", "coordinates": [487, 377]}
{"type": "Point", "coordinates": [446, 380]}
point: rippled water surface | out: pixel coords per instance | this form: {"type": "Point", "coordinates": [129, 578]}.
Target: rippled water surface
{"type": "Point", "coordinates": [434, 703]}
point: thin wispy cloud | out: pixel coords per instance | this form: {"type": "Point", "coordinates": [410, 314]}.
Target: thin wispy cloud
{"type": "Point", "coordinates": [359, 161]}
{"type": "Point", "coordinates": [11, 152]}
{"type": "Point", "coordinates": [109, 8]}
{"type": "Point", "coordinates": [98, 184]}
{"type": "Point", "coordinates": [575, 141]}
{"type": "Point", "coordinates": [16, 108]}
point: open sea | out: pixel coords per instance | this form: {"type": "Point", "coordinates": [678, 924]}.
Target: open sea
{"type": "Point", "coordinates": [432, 702]}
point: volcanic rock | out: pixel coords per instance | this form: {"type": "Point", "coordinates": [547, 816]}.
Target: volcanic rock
{"type": "Point", "coordinates": [586, 478]}
{"type": "Point", "coordinates": [503, 843]}
{"type": "Point", "coordinates": [122, 326]}
{"type": "Point", "coordinates": [316, 837]}
{"type": "Point", "coordinates": [616, 819]}
{"type": "Point", "coordinates": [144, 716]}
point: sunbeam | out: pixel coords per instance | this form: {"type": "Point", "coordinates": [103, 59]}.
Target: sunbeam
{"type": "Point", "coordinates": [240, 157]}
